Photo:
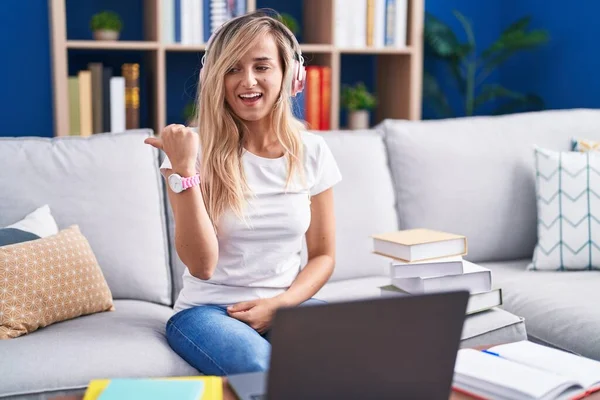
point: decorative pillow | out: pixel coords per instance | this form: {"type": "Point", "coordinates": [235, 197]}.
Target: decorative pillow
{"type": "Point", "coordinates": [49, 280]}
{"type": "Point", "coordinates": [35, 225]}
{"type": "Point", "coordinates": [568, 203]}
{"type": "Point", "coordinates": [583, 145]}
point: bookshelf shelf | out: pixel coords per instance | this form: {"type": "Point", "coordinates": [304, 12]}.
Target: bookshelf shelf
{"type": "Point", "coordinates": [367, 50]}
{"type": "Point", "coordinates": [184, 47]}
{"type": "Point", "coordinates": [117, 45]}
{"type": "Point", "coordinates": [398, 70]}
{"type": "Point", "coordinates": [316, 48]}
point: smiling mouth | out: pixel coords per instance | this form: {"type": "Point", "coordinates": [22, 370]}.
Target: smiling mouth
{"type": "Point", "coordinates": [250, 98]}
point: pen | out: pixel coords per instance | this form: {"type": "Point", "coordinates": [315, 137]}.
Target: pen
{"type": "Point", "coordinates": [491, 352]}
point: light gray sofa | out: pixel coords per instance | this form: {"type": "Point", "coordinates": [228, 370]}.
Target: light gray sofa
{"type": "Point", "coordinates": [472, 176]}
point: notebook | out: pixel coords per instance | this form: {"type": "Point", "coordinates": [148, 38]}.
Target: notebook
{"type": "Point", "coordinates": [525, 370]}
{"type": "Point", "coordinates": [152, 389]}
{"type": "Point", "coordinates": [212, 386]}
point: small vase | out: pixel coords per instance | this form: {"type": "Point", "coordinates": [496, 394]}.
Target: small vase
{"type": "Point", "coordinates": [102, 34]}
{"type": "Point", "coordinates": [358, 119]}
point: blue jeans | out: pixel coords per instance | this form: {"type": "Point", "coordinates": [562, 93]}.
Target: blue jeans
{"type": "Point", "coordinates": [216, 344]}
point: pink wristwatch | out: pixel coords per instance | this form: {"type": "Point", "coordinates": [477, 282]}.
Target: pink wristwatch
{"type": "Point", "coordinates": [178, 184]}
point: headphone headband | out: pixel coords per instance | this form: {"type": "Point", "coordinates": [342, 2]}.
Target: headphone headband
{"type": "Point", "coordinates": [275, 23]}
{"type": "Point", "coordinates": [298, 70]}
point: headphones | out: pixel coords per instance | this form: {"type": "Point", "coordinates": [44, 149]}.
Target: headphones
{"type": "Point", "coordinates": [298, 70]}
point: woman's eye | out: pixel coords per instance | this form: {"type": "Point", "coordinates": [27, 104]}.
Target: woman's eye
{"type": "Point", "coordinates": [262, 68]}
{"type": "Point", "coordinates": [233, 70]}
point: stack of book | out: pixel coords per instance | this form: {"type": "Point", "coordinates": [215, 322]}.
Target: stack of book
{"type": "Point", "coordinates": [427, 261]}
{"type": "Point", "coordinates": [100, 101]}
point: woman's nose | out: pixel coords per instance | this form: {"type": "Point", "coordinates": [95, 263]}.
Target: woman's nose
{"type": "Point", "coordinates": [249, 79]}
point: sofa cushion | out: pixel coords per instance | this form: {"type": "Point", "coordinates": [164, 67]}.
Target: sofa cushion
{"type": "Point", "coordinates": [129, 342]}
{"type": "Point", "coordinates": [475, 176]}
{"type": "Point", "coordinates": [490, 327]}
{"type": "Point", "coordinates": [568, 207]}
{"type": "Point", "coordinates": [49, 280]}
{"type": "Point", "coordinates": [109, 185]}
{"type": "Point", "coordinates": [560, 308]}
{"type": "Point", "coordinates": [364, 202]}
{"type": "Point", "coordinates": [37, 224]}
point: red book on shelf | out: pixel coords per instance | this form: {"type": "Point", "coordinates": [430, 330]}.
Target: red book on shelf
{"type": "Point", "coordinates": [325, 98]}
{"type": "Point", "coordinates": [313, 97]}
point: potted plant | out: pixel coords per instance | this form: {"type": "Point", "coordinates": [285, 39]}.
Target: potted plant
{"type": "Point", "coordinates": [106, 25]}
{"type": "Point", "coordinates": [289, 21]}
{"type": "Point", "coordinates": [359, 102]}
{"type": "Point", "coordinates": [469, 69]}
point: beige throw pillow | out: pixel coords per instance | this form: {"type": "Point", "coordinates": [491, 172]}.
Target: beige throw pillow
{"type": "Point", "coordinates": [49, 280]}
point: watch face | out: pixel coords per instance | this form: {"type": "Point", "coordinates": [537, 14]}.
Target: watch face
{"type": "Point", "coordinates": [175, 183]}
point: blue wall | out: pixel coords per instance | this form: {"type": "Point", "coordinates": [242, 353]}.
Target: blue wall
{"type": "Point", "coordinates": [563, 72]}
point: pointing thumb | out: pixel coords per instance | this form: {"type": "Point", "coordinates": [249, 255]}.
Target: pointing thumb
{"type": "Point", "coordinates": [154, 142]}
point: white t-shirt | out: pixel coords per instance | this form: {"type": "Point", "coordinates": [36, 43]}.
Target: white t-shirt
{"type": "Point", "coordinates": [262, 260]}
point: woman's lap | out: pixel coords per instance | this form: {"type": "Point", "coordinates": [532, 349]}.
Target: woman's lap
{"type": "Point", "coordinates": [216, 344]}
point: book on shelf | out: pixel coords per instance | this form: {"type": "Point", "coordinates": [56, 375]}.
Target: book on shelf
{"type": "Point", "coordinates": [191, 22]}
{"type": "Point", "coordinates": [477, 303]}
{"type": "Point", "coordinates": [475, 279]}
{"type": "Point", "coordinates": [452, 265]}
{"type": "Point", "coordinates": [314, 104]}
{"type": "Point", "coordinates": [131, 73]}
{"type": "Point", "coordinates": [100, 102]}
{"type": "Point", "coordinates": [525, 370]}
{"type": "Point", "coordinates": [371, 23]}
{"type": "Point", "coordinates": [85, 103]}
{"type": "Point", "coordinates": [419, 244]}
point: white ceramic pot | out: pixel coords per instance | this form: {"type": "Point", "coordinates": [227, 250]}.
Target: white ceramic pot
{"type": "Point", "coordinates": [106, 35]}
{"type": "Point", "coordinates": [358, 119]}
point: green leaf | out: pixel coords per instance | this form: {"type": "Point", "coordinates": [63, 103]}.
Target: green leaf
{"type": "Point", "coordinates": [494, 92]}
{"type": "Point", "coordinates": [510, 44]}
{"type": "Point", "coordinates": [466, 24]}
{"type": "Point", "coordinates": [357, 97]}
{"type": "Point", "coordinates": [457, 74]}
{"type": "Point", "coordinates": [528, 102]}
{"type": "Point", "coordinates": [515, 29]}
{"type": "Point", "coordinates": [439, 37]}
{"type": "Point", "coordinates": [435, 97]}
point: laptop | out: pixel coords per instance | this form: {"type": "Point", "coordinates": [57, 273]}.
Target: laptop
{"type": "Point", "coordinates": [384, 348]}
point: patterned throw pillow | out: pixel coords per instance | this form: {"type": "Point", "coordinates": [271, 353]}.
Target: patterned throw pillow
{"type": "Point", "coordinates": [568, 202]}
{"type": "Point", "coordinates": [583, 145]}
{"type": "Point", "coordinates": [48, 280]}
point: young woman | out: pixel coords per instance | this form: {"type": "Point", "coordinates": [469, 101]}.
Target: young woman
{"type": "Point", "coordinates": [255, 185]}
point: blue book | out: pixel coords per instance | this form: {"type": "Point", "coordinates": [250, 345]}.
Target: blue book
{"type": "Point", "coordinates": [152, 389]}
{"type": "Point", "coordinates": [206, 20]}
{"type": "Point", "coordinates": [177, 21]}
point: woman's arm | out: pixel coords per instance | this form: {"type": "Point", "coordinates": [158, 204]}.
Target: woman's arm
{"type": "Point", "coordinates": [320, 243]}
{"type": "Point", "coordinates": [195, 239]}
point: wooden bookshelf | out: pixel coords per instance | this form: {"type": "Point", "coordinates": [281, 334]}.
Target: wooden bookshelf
{"type": "Point", "coordinates": [398, 73]}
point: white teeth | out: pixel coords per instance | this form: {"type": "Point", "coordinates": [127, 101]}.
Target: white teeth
{"type": "Point", "coordinates": [250, 95]}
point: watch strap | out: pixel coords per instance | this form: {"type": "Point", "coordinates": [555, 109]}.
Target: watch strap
{"type": "Point", "coordinates": [190, 181]}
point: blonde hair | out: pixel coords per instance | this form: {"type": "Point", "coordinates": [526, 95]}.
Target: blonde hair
{"type": "Point", "coordinates": [223, 182]}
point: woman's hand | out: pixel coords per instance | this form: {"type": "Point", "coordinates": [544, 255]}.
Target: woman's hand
{"type": "Point", "coordinates": [258, 314]}
{"type": "Point", "coordinates": [180, 144]}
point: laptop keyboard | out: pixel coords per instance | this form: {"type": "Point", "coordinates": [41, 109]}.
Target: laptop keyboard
{"type": "Point", "coordinates": [258, 397]}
